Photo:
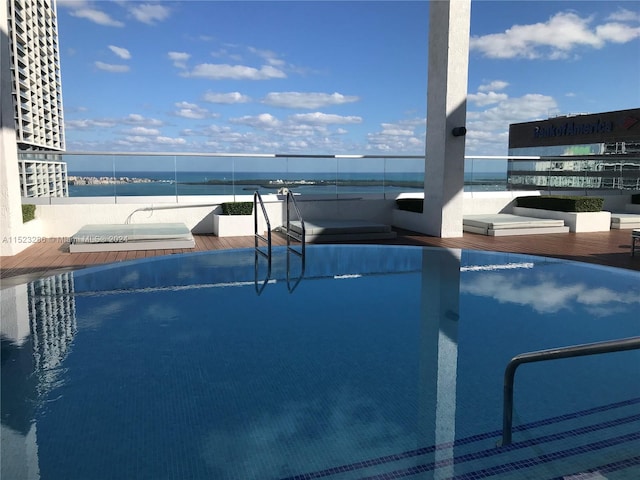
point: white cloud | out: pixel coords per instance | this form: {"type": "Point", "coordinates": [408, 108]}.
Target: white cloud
{"type": "Point", "coordinates": [617, 32]}
{"type": "Point", "coordinates": [144, 131]}
{"type": "Point", "coordinates": [262, 121]}
{"type": "Point", "coordinates": [190, 110]}
{"type": "Point", "coordinates": [270, 57]}
{"type": "Point", "coordinates": [488, 130]}
{"type": "Point", "coordinates": [179, 59]}
{"type": "Point", "coordinates": [319, 118]}
{"type": "Point", "coordinates": [482, 99]}
{"type": "Point", "coordinates": [403, 136]}
{"type": "Point", "coordinates": [150, 142]}
{"type": "Point", "coordinates": [88, 124]}
{"type": "Point", "coordinates": [110, 67]}
{"type": "Point", "coordinates": [226, 98]}
{"type": "Point", "coordinates": [149, 14]}
{"type": "Point", "coordinates": [137, 119]}
{"type": "Point", "coordinates": [624, 15]}
{"type": "Point", "coordinates": [81, 9]}
{"type": "Point", "coordinates": [214, 71]}
{"type": "Point", "coordinates": [493, 86]}
{"type": "Point", "coordinates": [307, 100]}
{"type": "Point", "coordinates": [120, 52]}
{"type": "Point", "coordinates": [170, 141]}
{"type": "Point", "coordinates": [554, 39]}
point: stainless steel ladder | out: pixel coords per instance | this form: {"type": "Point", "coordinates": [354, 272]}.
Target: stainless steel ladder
{"type": "Point", "coordinates": [631, 343]}
{"type": "Point", "coordinates": [300, 237]}
{"type": "Point", "coordinates": [258, 237]}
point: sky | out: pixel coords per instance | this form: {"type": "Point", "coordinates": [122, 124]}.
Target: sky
{"type": "Point", "coordinates": [328, 77]}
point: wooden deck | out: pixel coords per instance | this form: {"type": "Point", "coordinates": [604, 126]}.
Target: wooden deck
{"type": "Point", "coordinates": [611, 248]}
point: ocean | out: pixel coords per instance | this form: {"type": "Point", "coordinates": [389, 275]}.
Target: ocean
{"type": "Point", "coordinates": [245, 183]}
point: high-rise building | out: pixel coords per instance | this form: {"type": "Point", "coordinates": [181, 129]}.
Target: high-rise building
{"type": "Point", "coordinates": [585, 151]}
{"type": "Point", "coordinates": [36, 88]}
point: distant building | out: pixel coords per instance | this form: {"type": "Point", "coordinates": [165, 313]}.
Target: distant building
{"type": "Point", "coordinates": [600, 150]}
{"type": "Point", "coordinates": [36, 89]}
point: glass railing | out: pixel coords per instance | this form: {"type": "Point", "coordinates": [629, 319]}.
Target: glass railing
{"type": "Point", "coordinates": [169, 174]}
{"type": "Point", "coordinates": [193, 174]}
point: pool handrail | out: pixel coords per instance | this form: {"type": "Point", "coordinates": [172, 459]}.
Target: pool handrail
{"type": "Point", "coordinates": [291, 201]}
{"type": "Point", "coordinates": [257, 199]}
{"type": "Point", "coordinates": [620, 345]}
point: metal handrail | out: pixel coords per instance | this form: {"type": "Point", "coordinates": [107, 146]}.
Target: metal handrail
{"type": "Point", "coordinates": [631, 343]}
{"type": "Point", "coordinates": [292, 201]}
{"type": "Point", "coordinates": [257, 198]}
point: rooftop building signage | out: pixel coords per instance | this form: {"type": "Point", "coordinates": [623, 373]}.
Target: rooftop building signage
{"type": "Point", "coordinates": [573, 128]}
{"type": "Point", "coordinates": [622, 125]}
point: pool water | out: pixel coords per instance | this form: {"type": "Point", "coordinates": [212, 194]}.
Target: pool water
{"type": "Point", "coordinates": [362, 362]}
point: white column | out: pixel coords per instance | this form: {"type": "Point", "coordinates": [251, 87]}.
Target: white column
{"type": "Point", "coordinates": [449, 29]}
{"type": "Point", "coordinates": [10, 201]}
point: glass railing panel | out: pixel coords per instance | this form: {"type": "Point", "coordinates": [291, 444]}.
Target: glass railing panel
{"type": "Point", "coordinates": [404, 175]}
{"type": "Point", "coordinates": [485, 174]}
{"type": "Point", "coordinates": [358, 175]}
{"type": "Point", "coordinates": [90, 175]}
{"type": "Point", "coordinates": [313, 175]}
{"type": "Point", "coordinates": [265, 174]}
{"type": "Point", "coordinates": [204, 175]}
{"type": "Point", "coordinates": [144, 175]}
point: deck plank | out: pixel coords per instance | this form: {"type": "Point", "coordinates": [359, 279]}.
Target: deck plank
{"type": "Point", "coordinates": [612, 248]}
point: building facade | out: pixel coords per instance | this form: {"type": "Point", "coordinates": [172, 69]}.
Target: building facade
{"type": "Point", "coordinates": [36, 86]}
{"type": "Point", "coordinates": [586, 151]}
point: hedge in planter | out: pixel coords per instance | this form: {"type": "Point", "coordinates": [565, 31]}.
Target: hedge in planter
{"type": "Point", "coordinates": [28, 212]}
{"type": "Point", "coordinates": [562, 203]}
{"type": "Point", "coordinates": [237, 208]}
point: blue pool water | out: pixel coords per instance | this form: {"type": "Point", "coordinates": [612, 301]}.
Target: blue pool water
{"type": "Point", "coordinates": [367, 362]}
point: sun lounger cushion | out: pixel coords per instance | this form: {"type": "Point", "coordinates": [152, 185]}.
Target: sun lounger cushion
{"type": "Point", "coordinates": [625, 220]}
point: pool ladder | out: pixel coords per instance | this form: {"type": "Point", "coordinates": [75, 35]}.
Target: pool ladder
{"type": "Point", "coordinates": [297, 236]}
{"type": "Point", "coordinates": [621, 345]}
{"type": "Point", "coordinates": [259, 237]}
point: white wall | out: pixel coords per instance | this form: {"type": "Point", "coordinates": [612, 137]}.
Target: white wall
{"type": "Point", "coordinates": [63, 219]}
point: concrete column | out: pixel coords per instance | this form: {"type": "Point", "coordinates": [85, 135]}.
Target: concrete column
{"type": "Point", "coordinates": [10, 199]}
{"type": "Point", "coordinates": [449, 29]}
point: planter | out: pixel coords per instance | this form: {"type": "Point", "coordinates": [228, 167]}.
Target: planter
{"type": "Point", "coordinates": [232, 225]}
{"type": "Point", "coordinates": [407, 220]}
{"type": "Point", "coordinates": [576, 221]}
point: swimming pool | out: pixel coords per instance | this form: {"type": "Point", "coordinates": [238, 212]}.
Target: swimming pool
{"type": "Point", "coordinates": [365, 362]}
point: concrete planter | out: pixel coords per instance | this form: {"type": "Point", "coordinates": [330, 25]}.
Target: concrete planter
{"type": "Point", "coordinates": [232, 225]}
{"type": "Point", "coordinates": [576, 221]}
{"type": "Point", "coordinates": [407, 220]}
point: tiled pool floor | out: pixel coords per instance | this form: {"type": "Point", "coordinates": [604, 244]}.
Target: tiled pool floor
{"type": "Point", "coordinates": [602, 442]}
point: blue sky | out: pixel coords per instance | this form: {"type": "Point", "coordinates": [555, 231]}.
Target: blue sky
{"type": "Point", "coordinates": [328, 77]}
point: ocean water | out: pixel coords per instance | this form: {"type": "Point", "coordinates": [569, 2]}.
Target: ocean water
{"type": "Point", "coordinates": [243, 183]}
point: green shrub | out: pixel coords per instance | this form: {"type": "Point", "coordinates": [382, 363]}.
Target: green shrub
{"type": "Point", "coordinates": [237, 208]}
{"type": "Point", "coordinates": [635, 199]}
{"type": "Point", "coordinates": [562, 203]}
{"type": "Point", "coordinates": [28, 213]}
{"type": "Point", "coordinates": [410, 204]}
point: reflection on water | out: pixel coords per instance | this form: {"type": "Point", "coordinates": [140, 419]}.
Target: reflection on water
{"type": "Point", "coordinates": [219, 365]}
